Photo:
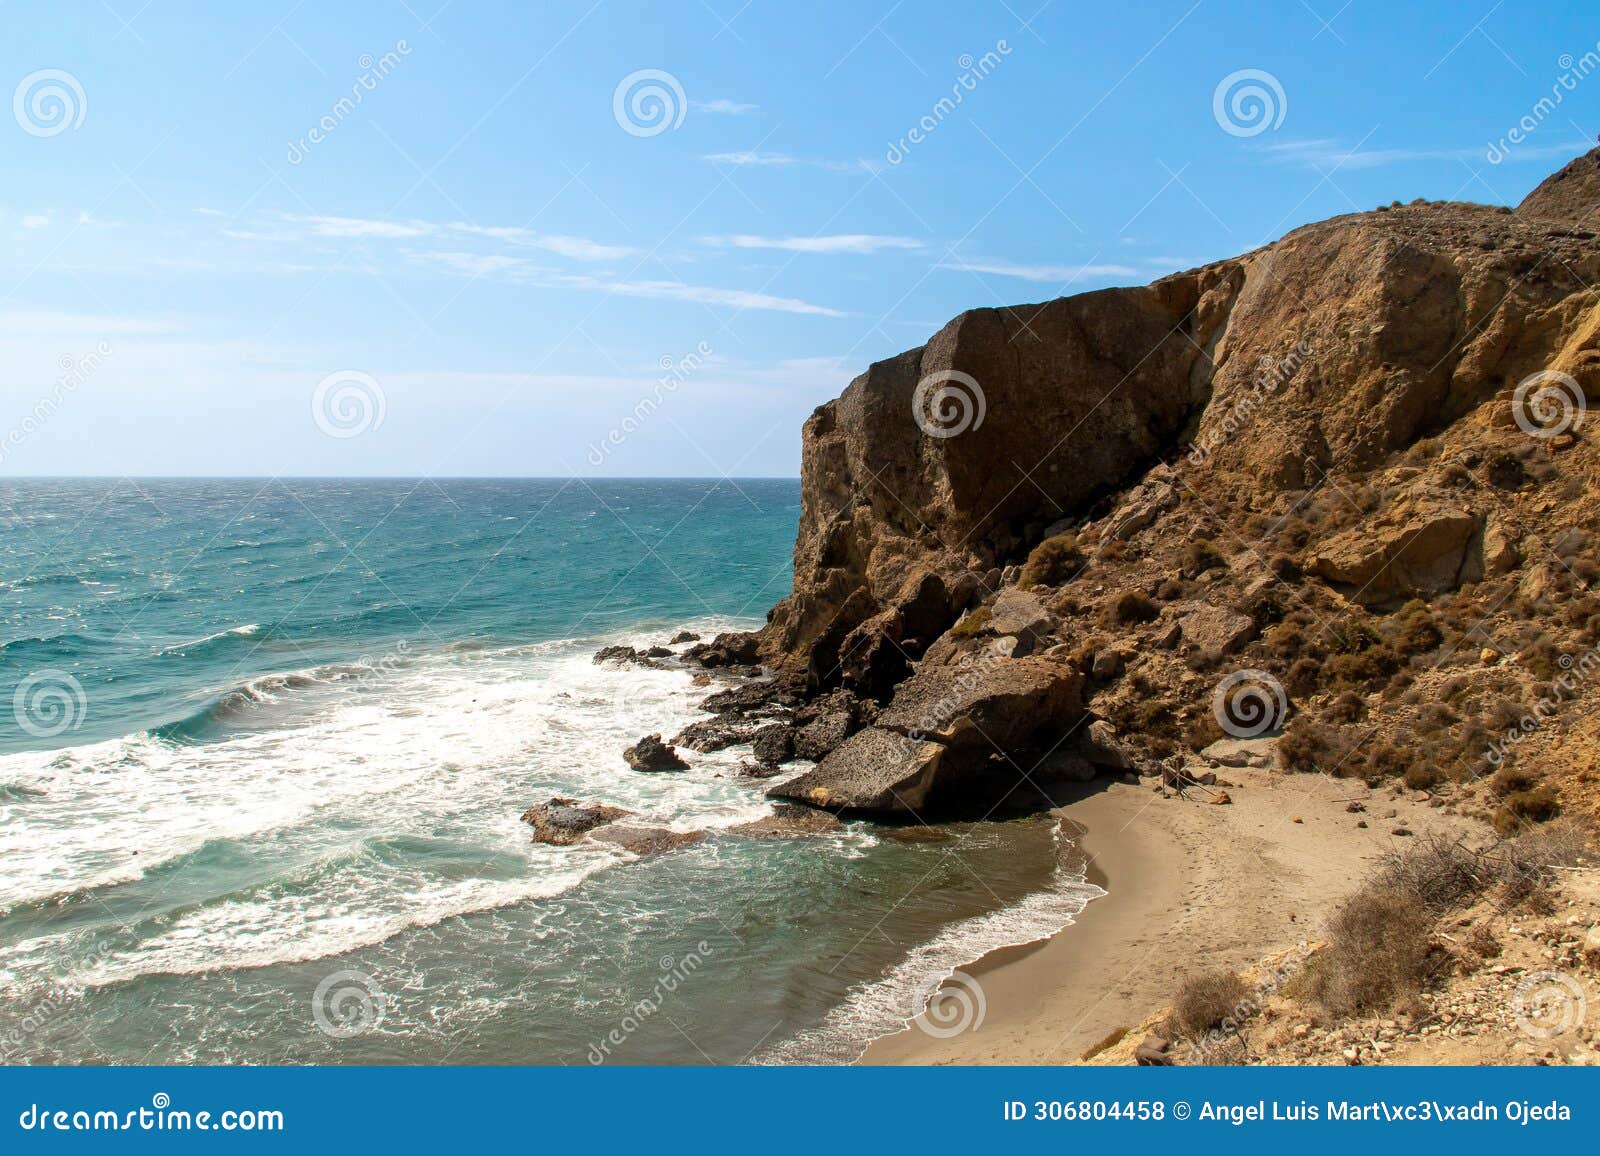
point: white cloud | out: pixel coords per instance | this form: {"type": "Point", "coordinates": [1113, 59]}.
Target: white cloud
{"type": "Point", "coordinates": [734, 298]}
{"type": "Point", "coordinates": [723, 106]}
{"type": "Point", "coordinates": [576, 248]}
{"type": "Point", "coordinates": [35, 221]}
{"type": "Point", "coordinates": [1324, 153]}
{"type": "Point", "coordinates": [471, 264]}
{"type": "Point", "coordinates": [363, 227]}
{"type": "Point", "coordinates": [1055, 274]}
{"type": "Point", "coordinates": [755, 159]}
{"type": "Point", "coordinates": [835, 243]}
{"type": "Point", "coordinates": [522, 272]}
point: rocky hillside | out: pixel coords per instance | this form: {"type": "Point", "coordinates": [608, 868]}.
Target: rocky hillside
{"type": "Point", "coordinates": [1340, 486]}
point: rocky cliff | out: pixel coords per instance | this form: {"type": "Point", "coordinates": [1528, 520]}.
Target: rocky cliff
{"type": "Point", "coordinates": [1340, 480]}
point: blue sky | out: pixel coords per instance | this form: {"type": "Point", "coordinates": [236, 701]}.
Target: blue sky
{"type": "Point", "coordinates": [486, 263]}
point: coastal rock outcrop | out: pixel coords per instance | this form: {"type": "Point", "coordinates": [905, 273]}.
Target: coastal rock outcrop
{"type": "Point", "coordinates": [562, 821]}
{"type": "Point", "coordinates": [651, 754]}
{"type": "Point", "coordinates": [1285, 482]}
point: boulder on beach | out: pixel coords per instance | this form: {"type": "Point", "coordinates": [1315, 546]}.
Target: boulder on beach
{"type": "Point", "coordinates": [872, 770]}
{"type": "Point", "coordinates": [651, 754]}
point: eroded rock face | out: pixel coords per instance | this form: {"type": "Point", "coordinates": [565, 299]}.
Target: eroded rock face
{"type": "Point", "coordinates": [1088, 387]}
{"type": "Point", "coordinates": [1333, 411]}
{"type": "Point", "coordinates": [1215, 628]}
{"type": "Point", "coordinates": [1425, 544]}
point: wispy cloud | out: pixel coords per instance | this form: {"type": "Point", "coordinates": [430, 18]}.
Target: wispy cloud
{"type": "Point", "coordinates": [749, 158]}
{"type": "Point", "coordinates": [362, 227]}
{"type": "Point", "coordinates": [524, 272]}
{"type": "Point", "coordinates": [1322, 154]}
{"type": "Point", "coordinates": [834, 243]}
{"type": "Point", "coordinates": [577, 248]}
{"type": "Point", "coordinates": [35, 221]}
{"type": "Point", "coordinates": [723, 107]}
{"type": "Point", "coordinates": [1054, 274]}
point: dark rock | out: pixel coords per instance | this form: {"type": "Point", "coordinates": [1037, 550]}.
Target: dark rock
{"type": "Point", "coordinates": [750, 769]}
{"type": "Point", "coordinates": [920, 833]}
{"type": "Point", "coordinates": [658, 652]}
{"type": "Point", "coordinates": [818, 738]}
{"type": "Point", "coordinates": [788, 821]}
{"type": "Point", "coordinates": [651, 754]}
{"type": "Point", "coordinates": [1000, 704]}
{"type": "Point", "coordinates": [683, 636]}
{"type": "Point", "coordinates": [623, 656]}
{"type": "Point", "coordinates": [732, 649]}
{"type": "Point", "coordinates": [749, 697]}
{"type": "Point", "coordinates": [643, 840]}
{"type": "Point", "coordinates": [1063, 766]}
{"type": "Point", "coordinates": [715, 734]}
{"type": "Point", "coordinates": [562, 822]}
{"type": "Point", "coordinates": [773, 744]}
{"type": "Point", "coordinates": [873, 770]}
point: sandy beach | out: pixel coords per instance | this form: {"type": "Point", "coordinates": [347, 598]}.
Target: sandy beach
{"type": "Point", "coordinates": [1190, 886]}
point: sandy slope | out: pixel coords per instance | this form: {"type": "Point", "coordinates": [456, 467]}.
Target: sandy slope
{"type": "Point", "coordinates": [1191, 887]}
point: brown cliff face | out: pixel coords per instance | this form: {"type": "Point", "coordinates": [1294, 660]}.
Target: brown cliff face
{"type": "Point", "coordinates": [1352, 461]}
{"type": "Point", "coordinates": [1383, 327]}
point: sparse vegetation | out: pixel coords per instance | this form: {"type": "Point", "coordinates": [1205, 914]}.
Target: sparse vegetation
{"type": "Point", "coordinates": [1204, 1002]}
{"type": "Point", "coordinates": [1052, 562]}
{"type": "Point", "coordinates": [1128, 608]}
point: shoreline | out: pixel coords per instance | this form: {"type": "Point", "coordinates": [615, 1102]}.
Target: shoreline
{"type": "Point", "coordinates": [1189, 887]}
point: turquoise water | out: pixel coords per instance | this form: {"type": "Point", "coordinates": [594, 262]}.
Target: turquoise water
{"type": "Point", "coordinates": [261, 800]}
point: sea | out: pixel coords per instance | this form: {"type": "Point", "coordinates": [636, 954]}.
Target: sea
{"type": "Point", "coordinates": [265, 746]}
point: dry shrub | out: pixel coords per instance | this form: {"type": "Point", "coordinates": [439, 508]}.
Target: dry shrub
{"type": "Point", "coordinates": [1052, 562]}
{"type": "Point", "coordinates": [1379, 954]}
{"type": "Point", "coordinates": [1536, 805]}
{"type": "Point", "coordinates": [1311, 747]}
{"type": "Point", "coordinates": [1203, 1002]}
{"type": "Point", "coordinates": [1129, 607]}
{"type": "Point", "coordinates": [973, 623]}
{"type": "Point", "coordinates": [1199, 556]}
{"type": "Point", "coordinates": [1526, 866]}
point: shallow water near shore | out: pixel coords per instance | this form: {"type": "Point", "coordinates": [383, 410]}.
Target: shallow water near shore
{"type": "Point", "coordinates": [273, 814]}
